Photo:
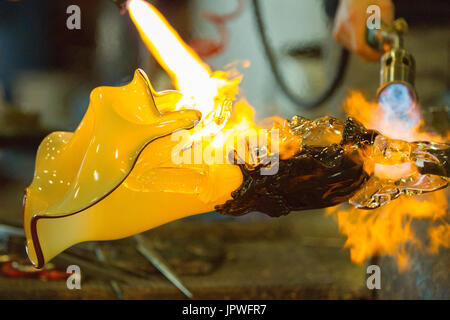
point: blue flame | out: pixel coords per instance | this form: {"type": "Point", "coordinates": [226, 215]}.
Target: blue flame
{"type": "Point", "coordinates": [398, 103]}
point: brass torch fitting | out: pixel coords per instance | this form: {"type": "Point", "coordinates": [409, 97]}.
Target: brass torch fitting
{"type": "Point", "coordinates": [396, 65]}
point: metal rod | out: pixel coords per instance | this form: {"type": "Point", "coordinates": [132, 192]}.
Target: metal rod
{"type": "Point", "coordinates": [158, 262]}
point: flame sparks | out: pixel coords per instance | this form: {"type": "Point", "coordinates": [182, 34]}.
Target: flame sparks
{"type": "Point", "coordinates": [385, 231]}
{"type": "Point", "coordinates": [209, 92]}
{"type": "Point", "coordinates": [389, 230]}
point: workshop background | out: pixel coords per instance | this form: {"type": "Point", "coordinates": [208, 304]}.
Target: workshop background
{"type": "Point", "coordinates": [47, 72]}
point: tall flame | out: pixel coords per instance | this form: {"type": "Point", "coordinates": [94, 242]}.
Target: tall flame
{"type": "Point", "coordinates": [209, 92]}
{"type": "Point", "coordinates": [212, 93]}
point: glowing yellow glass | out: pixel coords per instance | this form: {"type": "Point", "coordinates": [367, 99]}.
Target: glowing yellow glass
{"type": "Point", "coordinates": [114, 176]}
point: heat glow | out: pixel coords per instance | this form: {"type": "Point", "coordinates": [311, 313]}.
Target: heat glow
{"type": "Point", "coordinates": [389, 230]}
{"type": "Point", "coordinates": [212, 93]}
{"type": "Point", "coordinates": [384, 231]}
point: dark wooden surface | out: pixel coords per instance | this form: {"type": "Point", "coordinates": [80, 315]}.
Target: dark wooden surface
{"type": "Point", "coordinates": [300, 256]}
{"type": "Point", "coordinates": [295, 257]}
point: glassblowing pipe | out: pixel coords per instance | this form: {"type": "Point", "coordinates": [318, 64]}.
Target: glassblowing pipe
{"type": "Point", "coordinates": [397, 66]}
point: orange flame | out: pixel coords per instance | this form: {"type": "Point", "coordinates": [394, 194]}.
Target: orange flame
{"type": "Point", "coordinates": [389, 230]}
{"type": "Point", "coordinates": [212, 93]}
{"type": "Point", "coordinates": [384, 231]}
{"type": "Point", "coordinates": [209, 92]}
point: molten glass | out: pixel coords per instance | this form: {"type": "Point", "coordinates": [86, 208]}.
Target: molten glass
{"type": "Point", "coordinates": [209, 92]}
{"type": "Point", "coordinates": [401, 167]}
{"type": "Point", "coordinates": [389, 230]}
{"type": "Point", "coordinates": [122, 172]}
{"type": "Point", "coordinates": [114, 177]}
{"type": "Point", "coordinates": [339, 161]}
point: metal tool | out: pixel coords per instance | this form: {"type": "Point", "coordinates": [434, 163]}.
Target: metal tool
{"type": "Point", "coordinates": [397, 66]}
{"type": "Point", "coordinates": [114, 275]}
{"type": "Point", "coordinates": [100, 269]}
{"type": "Point", "coordinates": [158, 262]}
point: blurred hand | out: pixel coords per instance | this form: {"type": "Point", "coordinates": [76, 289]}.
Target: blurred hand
{"type": "Point", "coordinates": [350, 25]}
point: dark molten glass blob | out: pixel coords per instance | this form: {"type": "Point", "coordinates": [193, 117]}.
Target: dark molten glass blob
{"type": "Point", "coordinates": [324, 173]}
{"type": "Point", "coordinates": [316, 177]}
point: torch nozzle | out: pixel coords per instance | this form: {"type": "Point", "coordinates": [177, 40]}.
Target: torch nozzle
{"type": "Point", "coordinates": [397, 66]}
